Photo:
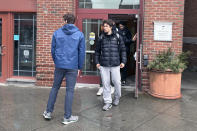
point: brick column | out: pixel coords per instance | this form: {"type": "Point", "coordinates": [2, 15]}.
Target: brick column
{"type": "Point", "coordinates": [161, 10]}
{"type": "Point", "coordinates": [49, 18]}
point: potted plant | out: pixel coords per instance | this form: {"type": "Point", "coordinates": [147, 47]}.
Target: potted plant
{"type": "Point", "coordinates": [165, 74]}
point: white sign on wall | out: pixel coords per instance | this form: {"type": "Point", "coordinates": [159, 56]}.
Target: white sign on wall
{"type": "Point", "coordinates": [162, 31]}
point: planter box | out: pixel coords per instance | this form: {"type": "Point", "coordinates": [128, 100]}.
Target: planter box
{"type": "Point", "coordinates": [165, 85]}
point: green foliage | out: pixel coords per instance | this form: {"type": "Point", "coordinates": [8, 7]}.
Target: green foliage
{"type": "Point", "coordinates": [168, 61]}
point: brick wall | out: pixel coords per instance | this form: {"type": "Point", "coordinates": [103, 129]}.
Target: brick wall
{"type": "Point", "coordinates": [161, 10]}
{"type": "Point", "coordinates": [49, 19]}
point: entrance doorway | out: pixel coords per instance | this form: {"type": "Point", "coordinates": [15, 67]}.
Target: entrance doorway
{"type": "Point", "coordinates": [17, 46]}
{"type": "Point", "coordinates": [90, 25]}
{"type": "Point", "coordinates": [130, 22]}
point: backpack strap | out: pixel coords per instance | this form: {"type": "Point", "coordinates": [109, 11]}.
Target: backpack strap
{"type": "Point", "coordinates": [101, 38]}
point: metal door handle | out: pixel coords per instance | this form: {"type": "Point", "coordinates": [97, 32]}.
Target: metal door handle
{"type": "Point", "coordinates": [90, 51]}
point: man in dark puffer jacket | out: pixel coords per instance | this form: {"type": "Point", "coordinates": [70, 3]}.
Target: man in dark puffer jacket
{"type": "Point", "coordinates": [110, 56]}
{"type": "Point", "coordinates": [126, 35]}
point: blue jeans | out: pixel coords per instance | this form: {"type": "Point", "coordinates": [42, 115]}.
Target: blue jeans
{"type": "Point", "coordinates": [71, 76]}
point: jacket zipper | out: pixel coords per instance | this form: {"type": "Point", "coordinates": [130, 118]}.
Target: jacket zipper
{"type": "Point", "coordinates": [109, 52]}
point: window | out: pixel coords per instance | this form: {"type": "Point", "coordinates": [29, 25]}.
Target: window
{"type": "Point", "coordinates": [109, 4]}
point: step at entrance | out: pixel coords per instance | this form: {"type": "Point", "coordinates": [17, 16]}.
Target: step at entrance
{"type": "Point", "coordinates": [20, 82]}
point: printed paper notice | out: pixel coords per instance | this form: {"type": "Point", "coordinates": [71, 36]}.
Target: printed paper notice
{"type": "Point", "coordinates": [162, 31]}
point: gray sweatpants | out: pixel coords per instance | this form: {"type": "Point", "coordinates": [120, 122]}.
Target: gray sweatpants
{"type": "Point", "coordinates": [116, 80]}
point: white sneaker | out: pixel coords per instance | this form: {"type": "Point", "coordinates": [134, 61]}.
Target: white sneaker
{"type": "Point", "coordinates": [100, 91]}
{"type": "Point", "coordinates": [115, 102]}
{"type": "Point", "coordinates": [112, 90]}
{"type": "Point", "coordinates": [107, 106]}
{"type": "Point", "coordinates": [70, 120]}
{"type": "Point", "coordinates": [47, 115]}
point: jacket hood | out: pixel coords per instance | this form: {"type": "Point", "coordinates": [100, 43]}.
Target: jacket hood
{"type": "Point", "coordinates": [69, 29]}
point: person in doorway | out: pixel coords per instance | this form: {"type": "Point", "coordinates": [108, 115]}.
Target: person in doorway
{"type": "Point", "coordinates": [110, 56]}
{"type": "Point", "coordinates": [114, 28]}
{"type": "Point", "coordinates": [127, 38]}
{"type": "Point", "coordinates": [68, 53]}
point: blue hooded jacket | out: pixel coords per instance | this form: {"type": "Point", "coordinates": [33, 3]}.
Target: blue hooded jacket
{"type": "Point", "coordinates": [68, 47]}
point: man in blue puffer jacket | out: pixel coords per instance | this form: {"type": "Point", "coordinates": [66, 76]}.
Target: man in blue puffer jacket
{"type": "Point", "coordinates": [68, 53]}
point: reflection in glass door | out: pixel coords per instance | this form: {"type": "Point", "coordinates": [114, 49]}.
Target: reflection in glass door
{"type": "Point", "coordinates": [0, 46]}
{"type": "Point", "coordinates": [109, 4]}
{"type": "Point", "coordinates": [24, 45]}
{"type": "Point", "coordinates": [91, 30]}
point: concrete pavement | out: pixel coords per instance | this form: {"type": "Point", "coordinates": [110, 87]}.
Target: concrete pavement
{"type": "Point", "coordinates": [21, 109]}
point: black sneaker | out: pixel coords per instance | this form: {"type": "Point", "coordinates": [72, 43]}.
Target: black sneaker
{"type": "Point", "coordinates": [123, 83]}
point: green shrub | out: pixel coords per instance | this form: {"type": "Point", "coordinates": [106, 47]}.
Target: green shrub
{"type": "Point", "coordinates": [167, 61]}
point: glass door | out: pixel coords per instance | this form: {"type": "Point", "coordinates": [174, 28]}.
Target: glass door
{"type": "Point", "coordinates": [24, 45]}
{"type": "Point", "coordinates": [91, 30]}
{"type": "Point", "coordinates": [3, 56]}
{"type": "Point", "coordinates": [90, 25]}
{"type": "Point", "coordinates": [17, 51]}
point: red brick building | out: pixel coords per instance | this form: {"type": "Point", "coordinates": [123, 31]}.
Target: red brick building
{"type": "Point", "coordinates": [27, 27]}
{"type": "Point", "coordinates": [162, 10]}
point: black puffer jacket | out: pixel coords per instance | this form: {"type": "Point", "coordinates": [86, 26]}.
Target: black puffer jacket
{"type": "Point", "coordinates": [110, 50]}
{"type": "Point", "coordinates": [126, 35]}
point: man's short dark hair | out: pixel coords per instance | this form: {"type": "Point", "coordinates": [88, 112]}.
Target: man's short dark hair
{"type": "Point", "coordinates": [70, 18]}
{"type": "Point", "coordinates": [109, 22]}
{"type": "Point", "coordinates": [122, 23]}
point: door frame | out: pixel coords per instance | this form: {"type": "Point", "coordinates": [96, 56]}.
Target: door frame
{"type": "Point", "coordinates": [7, 40]}
{"type": "Point", "coordinates": [97, 13]}
{"type": "Point", "coordinates": [90, 16]}
{"type": "Point", "coordinates": [4, 49]}
{"type": "Point", "coordinates": [7, 58]}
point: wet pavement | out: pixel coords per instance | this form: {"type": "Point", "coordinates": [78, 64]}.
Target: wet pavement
{"type": "Point", "coordinates": [189, 80]}
{"type": "Point", "coordinates": [21, 109]}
